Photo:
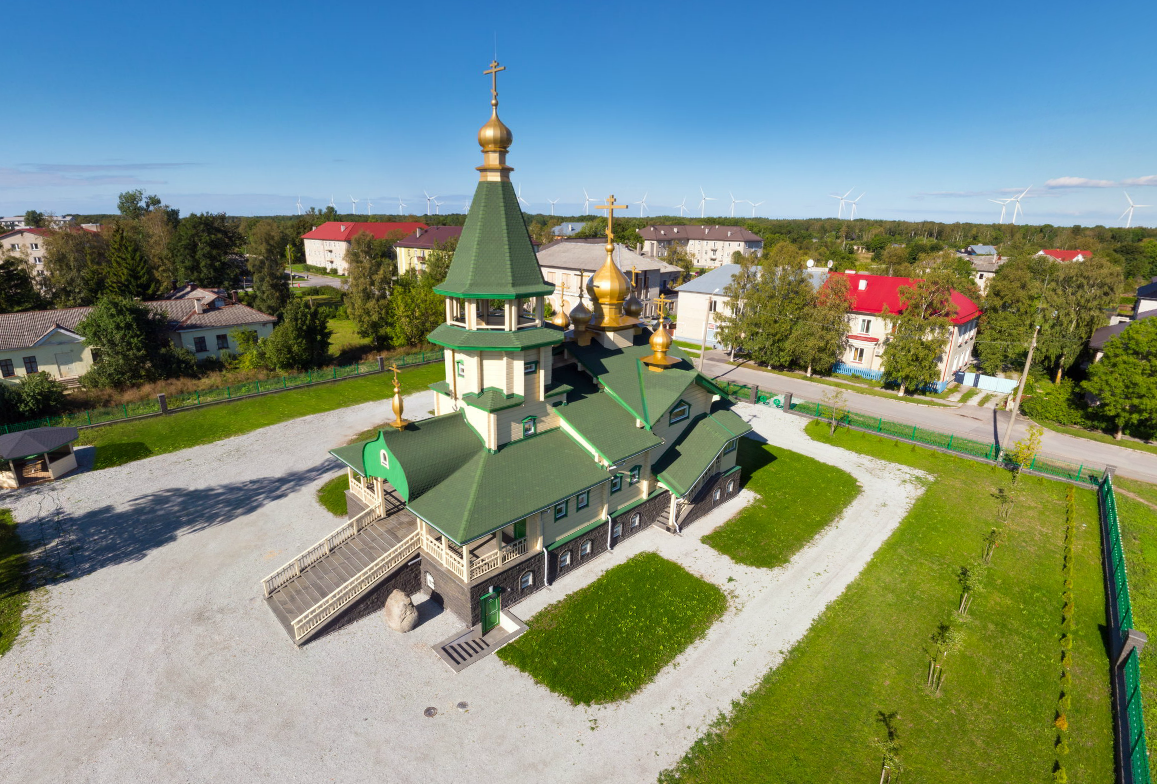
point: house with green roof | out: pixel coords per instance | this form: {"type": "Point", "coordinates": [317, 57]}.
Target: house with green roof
{"type": "Point", "coordinates": [551, 441]}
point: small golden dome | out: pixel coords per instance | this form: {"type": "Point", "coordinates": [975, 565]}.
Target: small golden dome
{"type": "Point", "coordinates": [494, 136]}
{"type": "Point", "coordinates": [560, 318]}
{"type": "Point", "coordinates": [661, 339]}
{"type": "Point", "coordinates": [580, 316]}
{"type": "Point", "coordinates": [632, 306]}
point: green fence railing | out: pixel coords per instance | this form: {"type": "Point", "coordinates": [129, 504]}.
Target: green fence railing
{"type": "Point", "coordinates": [182, 400]}
{"type": "Point", "coordinates": [1131, 714]}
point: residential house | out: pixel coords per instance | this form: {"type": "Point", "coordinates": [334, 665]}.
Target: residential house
{"type": "Point", "coordinates": [1146, 299]}
{"type": "Point", "coordinates": [566, 262]}
{"type": "Point", "coordinates": [983, 269]}
{"type": "Point", "coordinates": [567, 229]}
{"type": "Point", "coordinates": [708, 246]}
{"type": "Point", "coordinates": [1066, 255]}
{"type": "Point", "coordinates": [413, 248]}
{"type": "Point", "coordinates": [1103, 335]}
{"type": "Point", "coordinates": [28, 244]}
{"type": "Point", "coordinates": [13, 222]}
{"type": "Point", "coordinates": [980, 250]}
{"type": "Point", "coordinates": [47, 341]}
{"type": "Point", "coordinates": [326, 245]}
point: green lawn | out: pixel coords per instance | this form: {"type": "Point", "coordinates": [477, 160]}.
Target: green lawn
{"type": "Point", "coordinates": [345, 333]}
{"type": "Point", "coordinates": [124, 443]}
{"type": "Point", "coordinates": [849, 386]}
{"type": "Point", "coordinates": [331, 495]}
{"type": "Point", "coordinates": [1096, 435]}
{"type": "Point", "coordinates": [1139, 537]}
{"type": "Point", "coordinates": [13, 581]}
{"type": "Point", "coordinates": [608, 640]}
{"type": "Point", "coordinates": [798, 497]}
{"type": "Point", "coordinates": [815, 717]}
{"type": "Point", "coordinates": [984, 400]}
{"type": "Point", "coordinates": [971, 393]}
{"type": "Point", "coordinates": [1143, 489]}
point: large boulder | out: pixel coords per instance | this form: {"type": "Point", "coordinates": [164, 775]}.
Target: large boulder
{"type": "Point", "coordinates": [401, 615]}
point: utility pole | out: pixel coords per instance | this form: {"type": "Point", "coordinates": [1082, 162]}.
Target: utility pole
{"type": "Point", "coordinates": [1019, 392]}
{"type": "Point", "coordinates": [703, 339]}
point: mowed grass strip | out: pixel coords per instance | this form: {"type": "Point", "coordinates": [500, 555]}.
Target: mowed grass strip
{"type": "Point", "coordinates": [331, 495]}
{"type": "Point", "coordinates": [1139, 537]}
{"type": "Point", "coordinates": [606, 641]}
{"type": "Point", "coordinates": [798, 497]}
{"type": "Point", "coordinates": [129, 441]}
{"type": "Point", "coordinates": [814, 718]}
{"type": "Point", "coordinates": [13, 581]}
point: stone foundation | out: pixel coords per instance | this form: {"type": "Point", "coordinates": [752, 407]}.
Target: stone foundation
{"type": "Point", "coordinates": [707, 499]}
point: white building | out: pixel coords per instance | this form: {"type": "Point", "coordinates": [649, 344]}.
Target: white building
{"type": "Point", "coordinates": [17, 221]}
{"type": "Point", "coordinates": [708, 246]}
{"type": "Point", "coordinates": [326, 245]}
{"type": "Point", "coordinates": [28, 244]}
{"type": "Point", "coordinates": [565, 262]}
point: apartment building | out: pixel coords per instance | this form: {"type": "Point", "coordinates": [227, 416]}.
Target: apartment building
{"type": "Point", "coordinates": [326, 245]}
{"type": "Point", "coordinates": [708, 246]}
{"type": "Point", "coordinates": [413, 248]}
{"type": "Point", "coordinates": [566, 262]}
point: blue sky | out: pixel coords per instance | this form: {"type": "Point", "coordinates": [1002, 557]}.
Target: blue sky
{"type": "Point", "coordinates": [928, 109]}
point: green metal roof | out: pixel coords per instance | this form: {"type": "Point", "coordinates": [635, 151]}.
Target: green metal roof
{"type": "Point", "coordinates": [607, 426]}
{"type": "Point", "coordinates": [351, 455]}
{"type": "Point", "coordinates": [441, 387]}
{"type": "Point", "coordinates": [586, 529]}
{"type": "Point", "coordinates": [495, 258]}
{"type": "Point", "coordinates": [491, 399]}
{"type": "Point", "coordinates": [423, 453]}
{"type": "Point", "coordinates": [642, 391]}
{"type": "Point", "coordinates": [689, 456]}
{"type": "Point", "coordinates": [495, 340]}
{"type": "Point", "coordinates": [492, 490]}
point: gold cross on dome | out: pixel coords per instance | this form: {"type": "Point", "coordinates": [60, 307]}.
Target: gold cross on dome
{"type": "Point", "coordinates": [662, 302]}
{"type": "Point", "coordinates": [610, 207]}
{"type": "Point", "coordinates": [394, 368]}
{"type": "Point", "coordinates": [492, 72]}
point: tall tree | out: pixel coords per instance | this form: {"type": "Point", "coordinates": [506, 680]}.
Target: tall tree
{"type": "Point", "coordinates": [301, 340]}
{"type": "Point", "coordinates": [779, 299]}
{"type": "Point", "coordinates": [201, 247]}
{"type": "Point", "coordinates": [371, 282]}
{"type": "Point", "coordinates": [267, 244]}
{"type": "Point", "coordinates": [919, 332]}
{"type": "Point", "coordinates": [129, 275]}
{"type": "Point", "coordinates": [76, 266]}
{"type": "Point", "coordinates": [131, 344]}
{"type": "Point", "coordinates": [1075, 301]}
{"type": "Point", "coordinates": [733, 320]}
{"type": "Point", "coordinates": [415, 310]}
{"type": "Point", "coordinates": [1011, 308]}
{"type": "Point", "coordinates": [438, 261]}
{"type": "Point", "coordinates": [134, 204]}
{"type": "Point", "coordinates": [34, 219]}
{"type": "Point", "coordinates": [17, 291]}
{"type": "Point", "coordinates": [820, 338]}
{"type": "Point", "coordinates": [1125, 379]}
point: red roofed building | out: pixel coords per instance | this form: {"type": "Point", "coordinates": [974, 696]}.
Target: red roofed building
{"type": "Point", "coordinates": [871, 294]}
{"type": "Point", "coordinates": [1066, 255]}
{"type": "Point", "coordinates": [326, 245]}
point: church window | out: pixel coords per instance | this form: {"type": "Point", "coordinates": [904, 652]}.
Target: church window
{"type": "Point", "coordinates": [461, 365]}
{"type": "Point", "coordinates": [617, 530]}
{"type": "Point", "coordinates": [529, 426]}
{"type": "Point", "coordinates": [730, 446]}
{"type": "Point", "coordinates": [429, 581]}
{"type": "Point", "coordinates": [530, 368]}
{"type": "Point", "coordinates": [616, 483]}
{"type": "Point", "coordinates": [585, 549]}
{"type": "Point", "coordinates": [731, 485]}
{"type": "Point", "coordinates": [679, 412]}
{"type": "Point", "coordinates": [564, 560]}
{"type": "Point", "coordinates": [636, 472]}
{"type": "Point", "coordinates": [560, 510]}
{"type": "Point", "coordinates": [582, 500]}
{"type": "Point", "coordinates": [526, 581]}
{"type": "Point", "coordinates": [636, 518]}
{"type": "Point", "coordinates": [385, 458]}
{"type": "Point", "coordinates": [718, 493]}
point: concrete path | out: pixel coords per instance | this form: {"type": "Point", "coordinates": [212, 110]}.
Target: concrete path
{"type": "Point", "coordinates": [986, 424]}
{"type": "Point", "coordinates": [158, 661]}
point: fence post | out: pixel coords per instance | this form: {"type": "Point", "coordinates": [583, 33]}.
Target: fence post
{"type": "Point", "coordinates": [950, 442]}
{"type": "Point", "coordinates": [163, 402]}
{"type": "Point", "coordinates": [1079, 469]}
{"type": "Point", "coordinates": [227, 395]}
{"type": "Point", "coordinates": [125, 408]}
{"type": "Point", "coordinates": [335, 371]}
{"type": "Point", "coordinates": [88, 416]}
{"type": "Point", "coordinates": [817, 410]}
{"type": "Point", "coordinates": [880, 425]}
{"type": "Point", "coordinates": [1032, 465]}
{"type": "Point", "coordinates": [259, 386]}
{"type": "Point", "coordinates": [309, 376]}
{"type": "Point", "coordinates": [283, 382]}
{"type": "Point", "coordinates": [914, 432]}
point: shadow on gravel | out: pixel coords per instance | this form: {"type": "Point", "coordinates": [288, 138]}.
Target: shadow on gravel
{"type": "Point", "coordinates": [75, 545]}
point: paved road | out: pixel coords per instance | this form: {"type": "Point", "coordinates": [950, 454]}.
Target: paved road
{"type": "Point", "coordinates": [980, 423]}
{"type": "Point", "coordinates": [319, 280]}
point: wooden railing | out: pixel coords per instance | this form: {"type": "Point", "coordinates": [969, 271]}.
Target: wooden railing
{"type": "Point", "coordinates": [437, 549]}
{"type": "Point", "coordinates": [369, 495]}
{"type": "Point", "coordinates": [354, 587]}
{"type": "Point", "coordinates": [501, 556]}
{"type": "Point", "coordinates": [312, 555]}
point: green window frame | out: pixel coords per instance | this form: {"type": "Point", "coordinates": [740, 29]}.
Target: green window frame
{"type": "Point", "coordinates": [616, 483]}
{"type": "Point", "coordinates": [529, 368]}
{"type": "Point", "coordinates": [561, 509]}
{"type": "Point", "coordinates": [679, 412]}
{"type": "Point", "coordinates": [636, 474]}
{"type": "Point", "coordinates": [582, 500]}
{"type": "Point", "coordinates": [529, 426]}
{"type": "Point", "coordinates": [731, 445]}
{"type": "Point", "coordinates": [460, 366]}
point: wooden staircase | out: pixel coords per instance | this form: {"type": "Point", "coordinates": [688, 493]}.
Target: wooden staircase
{"type": "Point", "coordinates": [312, 589]}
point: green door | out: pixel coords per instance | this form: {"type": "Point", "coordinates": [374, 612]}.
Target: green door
{"type": "Point", "coordinates": [491, 605]}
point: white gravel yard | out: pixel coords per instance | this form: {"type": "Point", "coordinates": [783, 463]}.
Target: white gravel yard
{"type": "Point", "coordinates": [160, 662]}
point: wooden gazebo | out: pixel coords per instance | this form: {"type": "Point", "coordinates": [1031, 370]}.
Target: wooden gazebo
{"type": "Point", "coordinates": [36, 455]}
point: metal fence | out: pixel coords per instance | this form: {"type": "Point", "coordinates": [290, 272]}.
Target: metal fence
{"type": "Point", "coordinates": [185, 400]}
{"type": "Point", "coordinates": [1131, 717]}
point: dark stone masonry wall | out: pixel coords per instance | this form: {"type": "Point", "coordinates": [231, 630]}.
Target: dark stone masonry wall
{"type": "Point", "coordinates": [705, 500]}
{"type": "Point", "coordinates": [407, 578]}
{"type": "Point", "coordinates": [598, 542]}
{"type": "Point", "coordinates": [448, 590]}
{"type": "Point", "coordinates": [649, 512]}
{"type": "Point", "coordinates": [507, 581]}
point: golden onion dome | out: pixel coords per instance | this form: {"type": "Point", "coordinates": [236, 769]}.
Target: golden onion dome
{"type": "Point", "coordinates": [560, 318]}
{"type": "Point", "coordinates": [632, 306]}
{"type": "Point", "coordinates": [580, 316]}
{"type": "Point", "coordinates": [494, 136]}
{"type": "Point", "coordinates": [609, 286]}
{"type": "Point", "coordinates": [661, 339]}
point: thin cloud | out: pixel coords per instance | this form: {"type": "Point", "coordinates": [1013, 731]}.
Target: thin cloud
{"type": "Point", "coordinates": [20, 178]}
{"type": "Point", "coordinates": [84, 168]}
{"type": "Point", "coordinates": [1083, 182]}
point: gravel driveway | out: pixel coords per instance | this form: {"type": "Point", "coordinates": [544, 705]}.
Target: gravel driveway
{"type": "Point", "coordinates": [158, 661]}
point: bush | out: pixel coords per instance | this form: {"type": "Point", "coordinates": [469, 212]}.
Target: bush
{"type": "Point", "coordinates": [39, 395]}
{"type": "Point", "coordinates": [1061, 403]}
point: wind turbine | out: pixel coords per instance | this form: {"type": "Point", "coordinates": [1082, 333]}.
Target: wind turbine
{"type": "Point", "coordinates": [1129, 212]}
{"type": "Point", "coordinates": [299, 208]}
{"type": "Point", "coordinates": [1017, 208]}
{"type": "Point", "coordinates": [753, 206]}
{"type": "Point", "coordinates": [853, 203]}
{"type": "Point", "coordinates": [552, 203]}
{"type": "Point", "coordinates": [643, 204]}
{"type": "Point", "coordinates": [437, 206]}
{"type": "Point", "coordinates": [587, 202]}
{"type": "Point", "coordinates": [682, 206]}
{"type": "Point", "coordinates": [354, 207]}
{"type": "Point", "coordinates": [1003, 206]}
{"type": "Point", "coordinates": [703, 199]}
{"type": "Point", "coordinates": [519, 194]}
{"type": "Point", "coordinates": [843, 200]}
{"type": "Point", "coordinates": [331, 202]}
{"type": "Point", "coordinates": [429, 199]}
{"type": "Point", "coordinates": [369, 206]}
{"type": "Point", "coordinates": [401, 206]}
{"type": "Point", "coordinates": [734, 201]}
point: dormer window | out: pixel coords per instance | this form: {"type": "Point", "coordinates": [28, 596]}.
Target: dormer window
{"type": "Point", "coordinates": [529, 426]}
{"type": "Point", "coordinates": [530, 368]}
{"type": "Point", "coordinates": [679, 412]}
{"type": "Point", "coordinates": [461, 367]}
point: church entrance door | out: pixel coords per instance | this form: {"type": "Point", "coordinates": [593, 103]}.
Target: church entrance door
{"type": "Point", "coordinates": [491, 607]}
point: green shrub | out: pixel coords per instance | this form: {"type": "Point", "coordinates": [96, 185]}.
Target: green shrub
{"type": "Point", "coordinates": [1061, 403]}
